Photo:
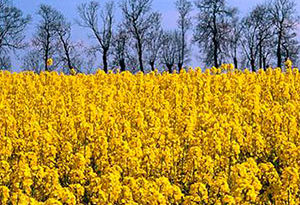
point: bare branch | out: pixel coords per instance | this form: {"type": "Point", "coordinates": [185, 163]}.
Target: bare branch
{"type": "Point", "coordinates": [138, 21]}
{"type": "Point", "coordinates": [12, 26]}
{"type": "Point", "coordinates": [90, 17]}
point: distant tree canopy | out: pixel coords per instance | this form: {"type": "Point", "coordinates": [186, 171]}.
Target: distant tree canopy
{"type": "Point", "coordinates": [12, 26]}
{"type": "Point", "coordinates": [266, 35]}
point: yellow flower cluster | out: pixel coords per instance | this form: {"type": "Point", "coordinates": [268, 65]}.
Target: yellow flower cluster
{"type": "Point", "coordinates": [188, 138]}
{"type": "Point", "coordinates": [49, 62]}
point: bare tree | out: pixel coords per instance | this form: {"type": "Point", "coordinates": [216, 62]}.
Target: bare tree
{"type": "Point", "coordinates": [69, 54]}
{"type": "Point", "coordinates": [285, 20]}
{"type": "Point", "coordinates": [154, 42]}
{"type": "Point", "coordinates": [131, 60]}
{"type": "Point", "coordinates": [138, 20]}
{"type": "Point", "coordinates": [120, 41]}
{"type": "Point", "coordinates": [184, 7]}
{"type": "Point", "coordinates": [45, 40]}
{"type": "Point", "coordinates": [170, 49]}
{"type": "Point", "coordinates": [124, 52]}
{"type": "Point", "coordinates": [290, 47]}
{"type": "Point", "coordinates": [257, 30]}
{"type": "Point", "coordinates": [213, 24]}
{"type": "Point", "coordinates": [52, 40]}
{"type": "Point", "coordinates": [12, 26]}
{"type": "Point", "coordinates": [64, 34]}
{"type": "Point", "coordinates": [234, 38]}
{"type": "Point", "coordinates": [89, 16]}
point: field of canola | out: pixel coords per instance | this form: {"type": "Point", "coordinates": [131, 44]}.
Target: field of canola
{"type": "Point", "coordinates": [123, 139]}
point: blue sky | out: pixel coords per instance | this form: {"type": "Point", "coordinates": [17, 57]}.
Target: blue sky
{"type": "Point", "coordinates": [166, 7]}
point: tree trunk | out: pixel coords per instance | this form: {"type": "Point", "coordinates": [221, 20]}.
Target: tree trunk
{"type": "Point", "coordinates": [69, 62]}
{"type": "Point", "coordinates": [265, 63]}
{"type": "Point", "coordinates": [287, 54]}
{"type": "Point", "coordinates": [104, 58]}
{"type": "Point", "coordinates": [46, 59]}
{"type": "Point", "coordinates": [68, 59]}
{"type": "Point", "coordinates": [215, 41]}
{"type": "Point", "coordinates": [235, 62]}
{"type": "Point", "coordinates": [169, 66]}
{"type": "Point", "coordinates": [260, 57]}
{"type": "Point", "coordinates": [152, 65]}
{"type": "Point", "coordinates": [140, 54]}
{"type": "Point", "coordinates": [67, 53]}
{"type": "Point", "coordinates": [122, 65]}
{"type": "Point", "coordinates": [216, 64]}
{"type": "Point", "coordinates": [180, 66]}
{"type": "Point", "coordinates": [47, 51]}
{"type": "Point", "coordinates": [252, 62]}
{"type": "Point", "coordinates": [279, 60]}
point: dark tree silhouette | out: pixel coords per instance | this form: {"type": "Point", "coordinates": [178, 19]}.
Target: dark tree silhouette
{"type": "Point", "coordinates": [284, 18]}
{"type": "Point", "coordinates": [256, 31]}
{"type": "Point", "coordinates": [170, 49]}
{"type": "Point", "coordinates": [184, 8]}
{"type": "Point", "coordinates": [212, 28]}
{"type": "Point", "coordinates": [120, 43]}
{"type": "Point", "coordinates": [154, 42]}
{"type": "Point", "coordinates": [234, 41]}
{"type": "Point", "coordinates": [12, 26]}
{"type": "Point", "coordinates": [89, 18]}
{"type": "Point", "coordinates": [45, 40]}
{"type": "Point", "coordinates": [138, 19]}
{"type": "Point", "coordinates": [68, 48]}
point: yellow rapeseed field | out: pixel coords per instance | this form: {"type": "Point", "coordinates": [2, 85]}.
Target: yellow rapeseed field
{"type": "Point", "coordinates": [213, 137]}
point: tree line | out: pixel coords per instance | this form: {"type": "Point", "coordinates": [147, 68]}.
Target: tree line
{"type": "Point", "coordinates": [266, 36]}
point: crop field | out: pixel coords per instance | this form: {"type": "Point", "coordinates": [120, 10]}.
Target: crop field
{"type": "Point", "coordinates": [213, 137]}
